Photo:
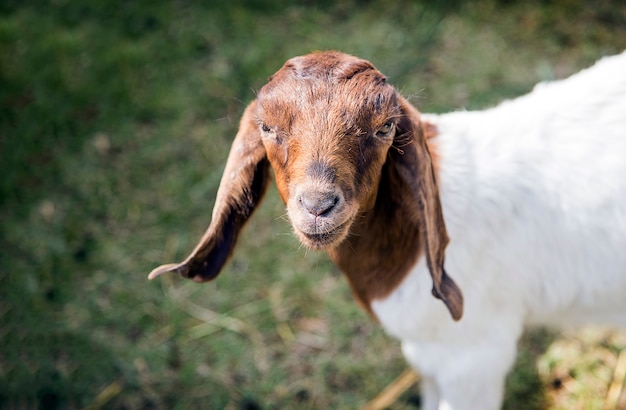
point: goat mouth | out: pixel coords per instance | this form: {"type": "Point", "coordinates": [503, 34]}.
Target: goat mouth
{"type": "Point", "coordinates": [323, 240]}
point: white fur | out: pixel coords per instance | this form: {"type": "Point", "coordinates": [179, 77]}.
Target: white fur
{"type": "Point", "coordinates": [534, 199]}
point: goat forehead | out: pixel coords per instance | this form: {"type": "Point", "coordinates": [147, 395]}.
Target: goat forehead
{"type": "Point", "coordinates": [327, 66]}
{"type": "Point", "coordinates": [348, 103]}
{"type": "Point", "coordinates": [317, 73]}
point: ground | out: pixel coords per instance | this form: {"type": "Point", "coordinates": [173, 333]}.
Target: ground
{"type": "Point", "coordinates": [115, 123]}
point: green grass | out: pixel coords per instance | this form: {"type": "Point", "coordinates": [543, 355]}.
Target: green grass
{"type": "Point", "coordinates": [115, 122]}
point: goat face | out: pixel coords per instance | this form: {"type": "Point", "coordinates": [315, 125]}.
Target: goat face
{"type": "Point", "coordinates": [327, 124]}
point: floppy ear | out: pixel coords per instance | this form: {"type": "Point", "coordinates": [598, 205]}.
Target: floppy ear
{"type": "Point", "coordinates": [242, 186]}
{"type": "Point", "coordinates": [413, 163]}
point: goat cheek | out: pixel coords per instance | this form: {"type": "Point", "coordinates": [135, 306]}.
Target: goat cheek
{"type": "Point", "coordinates": [367, 182]}
{"type": "Point", "coordinates": [281, 172]}
{"type": "Point", "coordinates": [282, 182]}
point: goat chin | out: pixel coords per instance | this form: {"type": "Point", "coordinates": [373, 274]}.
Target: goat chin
{"type": "Point", "coordinates": [531, 193]}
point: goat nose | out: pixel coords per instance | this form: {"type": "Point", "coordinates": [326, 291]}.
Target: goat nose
{"type": "Point", "coordinates": [318, 203]}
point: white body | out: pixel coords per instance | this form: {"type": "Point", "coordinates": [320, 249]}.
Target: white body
{"type": "Point", "coordinates": [534, 199]}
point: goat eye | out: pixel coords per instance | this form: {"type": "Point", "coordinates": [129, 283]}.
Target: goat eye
{"type": "Point", "coordinates": [265, 128]}
{"type": "Point", "coordinates": [271, 133]}
{"type": "Point", "coordinates": [386, 129]}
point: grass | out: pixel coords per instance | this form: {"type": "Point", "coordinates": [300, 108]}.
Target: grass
{"type": "Point", "coordinates": [115, 121]}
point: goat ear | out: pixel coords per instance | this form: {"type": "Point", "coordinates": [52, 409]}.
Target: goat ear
{"type": "Point", "coordinates": [413, 163]}
{"type": "Point", "coordinates": [243, 184]}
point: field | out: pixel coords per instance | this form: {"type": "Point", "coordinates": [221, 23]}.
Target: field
{"type": "Point", "coordinates": [116, 118]}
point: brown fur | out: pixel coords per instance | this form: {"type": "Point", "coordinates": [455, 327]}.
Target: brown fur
{"type": "Point", "coordinates": [353, 166]}
{"type": "Point", "coordinates": [430, 133]}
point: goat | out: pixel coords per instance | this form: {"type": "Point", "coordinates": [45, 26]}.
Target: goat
{"type": "Point", "coordinates": [531, 192]}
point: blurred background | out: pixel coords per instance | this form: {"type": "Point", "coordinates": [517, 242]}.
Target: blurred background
{"type": "Point", "coordinates": [116, 118]}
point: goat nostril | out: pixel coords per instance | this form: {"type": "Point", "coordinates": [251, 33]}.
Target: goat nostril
{"type": "Point", "coordinates": [317, 203]}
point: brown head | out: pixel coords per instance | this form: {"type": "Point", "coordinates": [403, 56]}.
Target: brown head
{"type": "Point", "coordinates": [333, 130]}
